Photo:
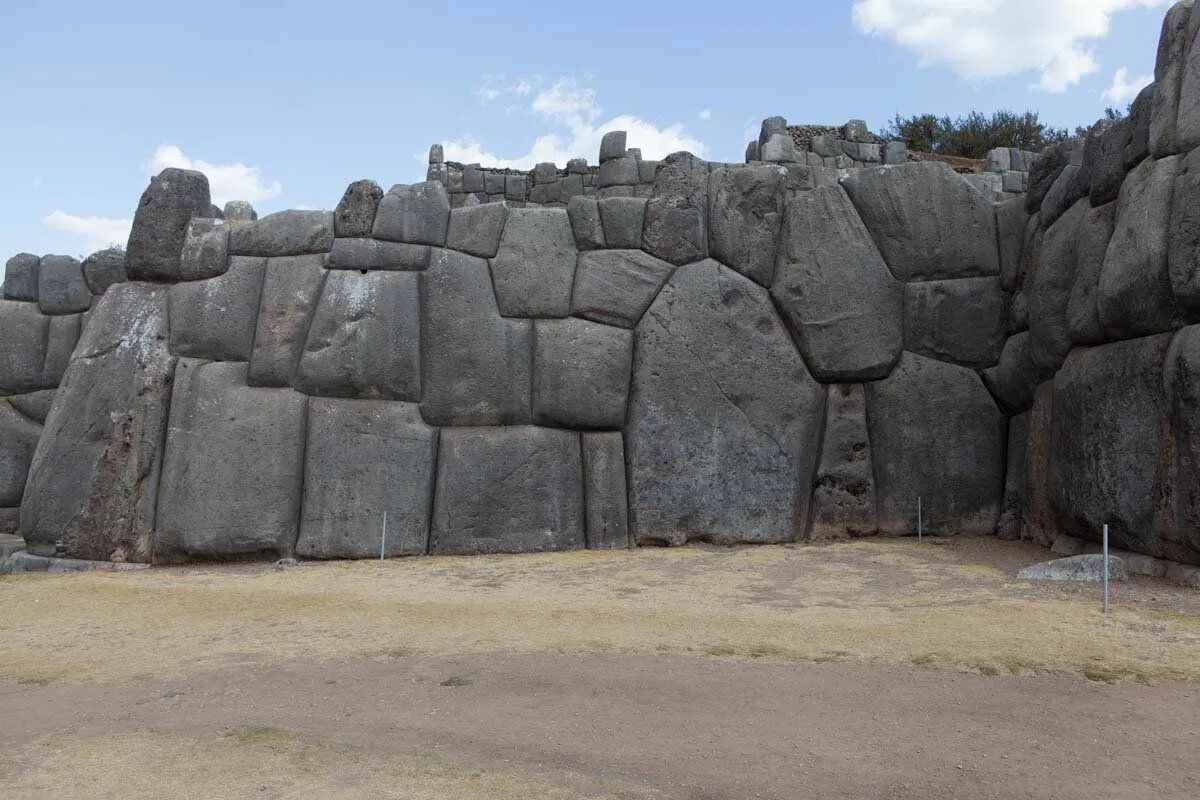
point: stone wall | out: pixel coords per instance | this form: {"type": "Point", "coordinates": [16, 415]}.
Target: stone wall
{"type": "Point", "coordinates": [639, 353]}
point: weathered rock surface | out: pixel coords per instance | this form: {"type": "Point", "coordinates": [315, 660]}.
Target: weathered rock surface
{"type": "Point", "coordinates": [365, 336]}
{"type": "Point", "coordinates": [834, 290]}
{"type": "Point", "coordinates": [724, 421]}
{"type": "Point", "coordinates": [18, 438]}
{"type": "Point", "coordinates": [60, 343]}
{"type": "Point", "coordinates": [605, 491]}
{"type": "Point", "coordinates": [1015, 377]}
{"type": "Point", "coordinates": [21, 277]}
{"type": "Point", "coordinates": [34, 405]}
{"type": "Point", "coordinates": [1037, 516]}
{"type": "Point", "coordinates": [418, 214]}
{"type": "Point", "coordinates": [1083, 305]}
{"type": "Point", "coordinates": [373, 254]}
{"type": "Point", "coordinates": [1009, 526]}
{"type": "Point", "coordinates": [1078, 569]}
{"type": "Point", "coordinates": [61, 288]}
{"type": "Point", "coordinates": [962, 321]}
{"type": "Point", "coordinates": [290, 291]}
{"type": "Point", "coordinates": [1068, 188]}
{"type": "Point", "coordinates": [215, 319]}
{"type": "Point", "coordinates": [936, 434]}
{"type": "Point", "coordinates": [508, 490]}
{"type": "Point", "coordinates": [1011, 222]}
{"type": "Point", "coordinates": [477, 229]}
{"type": "Point", "coordinates": [745, 212]}
{"type": "Point", "coordinates": [173, 197]}
{"type": "Point", "coordinates": [1168, 77]}
{"type": "Point", "coordinates": [355, 212]}
{"type": "Point", "coordinates": [580, 373]}
{"type": "Point", "coordinates": [617, 286]}
{"type": "Point", "coordinates": [622, 219]}
{"type": "Point", "coordinates": [477, 364]}
{"type": "Point", "coordinates": [1181, 380]}
{"type": "Point", "coordinates": [93, 482]}
{"type": "Point", "coordinates": [205, 251]}
{"type": "Point", "coordinates": [1136, 297]}
{"type": "Point", "coordinates": [926, 220]}
{"type": "Point", "coordinates": [534, 269]}
{"type": "Point", "coordinates": [1045, 171]}
{"type": "Point", "coordinates": [676, 228]}
{"type": "Point", "coordinates": [1049, 290]}
{"type": "Point", "coordinates": [1183, 257]}
{"type": "Point", "coordinates": [364, 459]}
{"type": "Point", "coordinates": [844, 496]}
{"type": "Point", "coordinates": [104, 268]}
{"type": "Point", "coordinates": [233, 468]}
{"type": "Point", "coordinates": [284, 233]}
{"type": "Point", "coordinates": [584, 213]}
{"type": "Point", "coordinates": [24, 332]}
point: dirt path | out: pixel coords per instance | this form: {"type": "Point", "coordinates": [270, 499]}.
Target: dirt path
{"type": "Point", "coordinates": [650, 726]}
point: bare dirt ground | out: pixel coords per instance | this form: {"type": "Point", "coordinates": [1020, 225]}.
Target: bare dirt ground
{"type": "Point", "coordinates": [868, 669]}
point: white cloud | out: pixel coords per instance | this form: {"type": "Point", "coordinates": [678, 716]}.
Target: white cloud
{"type": "Point", "coordinates": [493, 85]}
{"type": "Point", "coordinates": [572, 108]}
{"type": "Point", "coordinates": [705, 114]}
{"type": "Point", "coordinates": [988, 39]}
{"type": "Point", "coordinates": [1123, 90]}
{"type": "Point", "coordinates": [97, 232]}
{"type": "Point", "coordinates": [226, 181]}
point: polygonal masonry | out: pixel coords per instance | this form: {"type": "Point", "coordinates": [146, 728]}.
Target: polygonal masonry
{"type": "Point", "coordinates": [534, 267]}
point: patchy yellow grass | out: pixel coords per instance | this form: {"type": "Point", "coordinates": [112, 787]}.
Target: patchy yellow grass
{"type": "Point", "coordinates": [860, 601]}
{"type": "Point", "coordinates": [260, 761]}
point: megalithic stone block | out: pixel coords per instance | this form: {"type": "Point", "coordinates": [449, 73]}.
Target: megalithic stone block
{"type": "Point", "coordinates": [24, 333]}
{"type": "Point", "coordinates": [844, 494]}
{"type": "Point", "coordinates": [284, 233]}
{"type": "Point", "coordinates": [580, 373]}
{"type": "Point", "coordinates": [534, 268]}
{"type": "Point", "coordinates": [215, 318]}
{"type": "Point", "coordinates": [21, 277]}
{"type": "Point", "coordinates": [104, 268]}
{"type": "Point", "coordinates": [290, 291]}
{"type": "Point", "coordinates": [205, 251]}
{"type": "Point", "coordinates": [744, 215]}
{"type": "Point", "coordinates": [355, 212]}
{"type": "Point", "coordinates": [417, 214]}
{"type": "Point", "coordinates": [173, 197]}
{"type": "Point", "coordinates": [18, 439]}
{"type": "Point", "coordinates": [61, 288]}
{"type": "Point", "coordinates": [605, 492]}
{"type": "Point", "coordinates": [676, 228]}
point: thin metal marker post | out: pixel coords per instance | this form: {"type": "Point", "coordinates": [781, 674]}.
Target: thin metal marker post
{"type": "Point", "coordinates": [920, 521]}
{"type": "Point", "coordinates": [383, 539]}
{"type": "Point", "coordinates": [1106, 568]}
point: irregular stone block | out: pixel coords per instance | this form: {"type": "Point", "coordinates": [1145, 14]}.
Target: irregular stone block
{"type": "Point", "coordinates": [1136, 296]}
{"type": "Point", "coordinates": [239, 212]}
{"type": "Point", "coordinates": [373, 254]}
{"type": "Point", "coordinates": [60, 343]}
{"type": "Point", "coordinates": [1011, 222]}
{"type": "Point", "coordinates": [621, 171]}
{"type": "Point", "coordinates": [580, 373]}
{"type": "Point", "coordinates": [364, 459]}
{"type": "Point", "coordinates": [354, 216]}
{"type": "Point", "coordinates": [284, 233]}
{"type": "Point", "coordinates": [215, 319]}
{"type": "Point", "coordinates": [676, 227]}
{"type": "Point", "coordinates": [1009, 526]}
{"type": "Point", "coordinates": [1139, 142]}
{"type": "Point", "coordinates": [508, 490]}
{"type": "Point", "coordinates": [34, 405]}
{"type": "Point", "coordinates": [622, 218]}
{"type": "Point", "coordinates": [895, 153]}
{"type": "Point", "coordinates": [104, 268]}
{"type": "Point", "coordinates": [744, 216]}
{"type": "Point", "coordinates": [647, 170]}
{"type": "Point", "coordinates": [962, 321]}
{"type": "Point", "coordinates": [21, 277]}
{"type": "Point", "coordinates": [515, 188]}
{"type": "Point", "coordinates": [1049, 290]}
{"type": "Point", "coordinates": [936, 434]}
{"type": "Point", "coordinates": [477, 364]}
{"type": "Point", "coordinates": [364, 340]}
{"type": "Point", "coordinates": [1037, 517]}
{"type": "Point", "coordinates": [1083, 308]}
{"type": "Point", "coordinates": [1169, 68]}
{"type": "Point", "coordinates": [926, 220]}
{"type": "Point", "coordinates": [570, 186]}
{"type": "Point", "coordinates": [584, 213]}
{"type": "Point", "coordinates": [61, 288]}
{"type": "Point", "coordinates": [1044, 172]}
{"type": "Point", "coordinates": [1067, 189]}
{"type": "Point", "coordinates": [779, 149]}
{"type": "Point", "coordinates": [1183, 246]}
{"type": "Point", "coordinates": [1015, 377]}
{"type": "Point", "coordinates": [291, 287]}
{"type": "Point", "coordinates": [1107, 160]}
{"type": "Point", "coordinates": [999, 160]}
{"type": "Point", "coordinates": [535, 266]}
{"type": "Point", "coordinates": [617, 286]}
{"type": "Point", "coordinates": [752, 151]}
{"type": "Point", "coordinates": [1181, 380]}
{"type": "Point", "coordinates": [436, 154]}
{"type": "Point", "coordinates": [604, 491]}
{"type": "Point", "coordinates": [1015, 183]}
{"type": "Point", "coordinates": [24, 332]}
{"type": "Point", "coordinates": [173, 197]}
{"type": "Point", "coordinates": [844, 494]}
{"type": "Point", "coordinates": [578, 165]}
{"type": "Point", "coordinates": [612, 145]}
{"type": "Point", "coordinates": [205, 251]}
{"type": "Point", "coordinates": [476, 230]}
{"type": "Point", "coordinates": [18, 439]}
{"type": "Point", "coordinates": [233, 468]}
{"type": "Point", "coordinates": [93, 483]}
{"type": "Point", "coordinates": [1076, 569]}
{"type": "Point", "coordinates": [724, 421]}
{"type": "Point", "coordinates": [771, 126]}
{"type": "Point", "coordinates": [834, 290]}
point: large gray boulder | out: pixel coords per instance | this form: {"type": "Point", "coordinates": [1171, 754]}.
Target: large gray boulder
{"type": "Point", "coordinates": [104, 268]}
{"type": "Point", "coordinates": [60, 343]}
{"type": "Point", "coordinates": [963, 321]}
{"type": "Point", "coordinates": [744, 216]}
{"type": "Point", "coordinates": [508, 490]}
{"type": "Point", "coordinates": [584, 213]}
{"type": "Point", "coordinates": [215, 319]}
{"type": "Point", "coordinates": [477, 364]}
{"type": "Point", "coordinates": [1107, 160]}
{"type": "Point", "coordinates": [1014, 378]}
{"type": "Point", "coordinates": [1068, 188]}
{"type": "Point", "coordinates": [94, 479]}
{"type": "Point", "coordinates": [1183, 256]}
{"type": "Point", "coordinates": [1169, 68]}
{"type": "Point", "coordinates": [1075, 569]}
{"type": "Point", "coordinates": [534, 268]}
{"type": "Point", "coordinates": [724, 420]}
{"type": "Point", "coordinates": [477, 229]}
{"type": "Point", "coordinates": [355, 212]}
{"type": "Point", "coordinates": [1045, 171]}
{"type": "Point", "coordinates": [1011, 222]}
{"type": "Point", "coordinates": [622, 219]}
{"type": "Point", "coordinates": [18, 439]}
{"type": "Point", "coordinates": [61, 288]}
{"type": "Point", "coordinates": [1083, 305]}
{"type": "Point", "coordinates": [1136, 296]}
{"type": "Point", "coordinates": [604, 491]}
{"type": "Point", "coordinates": [1049, 289]}
{"type": "Point", "coordinates": [843, 502]}
{"type": "Point", "coordinates": [580, 373]}
{"type": "Point", "coordinates": [21, 277]}
{"type": "Point", "coordinates": [676, 228]}
{"type": "Point", "coordinates": [173, 197]}
{"type": "Point", "coordinates": [418, 214]}
{"type": "Point", "coordinates": [205, 251]}
{"type": "Point", "coordinates": [284, 233]}
{"type": "Point", "coordinates": [835, 291]}
{"type": "Point", "coordinates": [365, 459]}
{"type": "Point", "coordinates": [365, 338]}
{"type": "Point", "coordinates": [375, 254]}
{"type": "Point", "coordinates": [24, 332]}
{"type": "Point", "coordinates": [290, 291]}
{"type": "Point", "coordinates": [34, 405]}
{"type": "Point", "coordinates": [936, 434]}
{"type": "Point", "coordinates": [617, 286]}
{"type": "Point", "coordinates": [1009, 526]}
{"type": "Point", "coordinates": [1037, 516]}
{"type": "Point", "coordinates": [1108, 443]}
{"type": "Point", "coordinates": [1181, 379]}
{"type": "Point", "coordinates": [233, 468]}
{"type": "Point", "coordinates": [1187, 126]}
{"type": "Point", "coordinates": [927, 221]}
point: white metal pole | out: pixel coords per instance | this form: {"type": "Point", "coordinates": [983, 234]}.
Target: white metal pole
{"type": "Point", "coordinates": [1106, 568]}
{"type": "Point", "coordinates": [383, 539]}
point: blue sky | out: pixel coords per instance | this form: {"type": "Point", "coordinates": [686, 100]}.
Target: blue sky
{"type": "Point", "coordinates": [284, 104]}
